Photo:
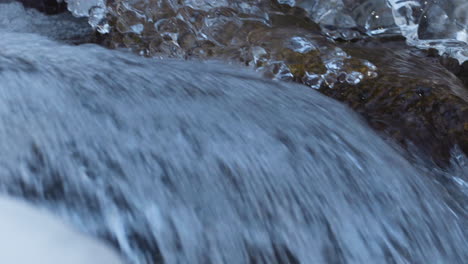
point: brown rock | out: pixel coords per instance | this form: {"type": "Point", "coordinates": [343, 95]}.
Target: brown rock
{"type": "Point", "coordinates": [414, 99]}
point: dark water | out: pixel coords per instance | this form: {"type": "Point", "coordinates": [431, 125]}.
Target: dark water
{"type": "Point", "coordinates": [188, 162]}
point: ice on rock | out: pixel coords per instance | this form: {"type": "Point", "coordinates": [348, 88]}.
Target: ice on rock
{"type": "Point", "coordinates": [443, 25]}
{"type": "Point", "coordinates": [354, 78]}
{"type": "Point", "coordinates": [97, 19]}
{"type": "Point", "coordinates": [301, 45]}
{"type": "Point", "coordinates": [258, 33]}
{"type": "Point", "coordinates": [314, 81]}
{"type": "Point", "coordinates": [82, 7]}
{"type": "Point", "coordinates": [440, 24]}
{"type": "Point", "coordinates": [350, 18]}
{"type": "Point", "coordinates": [94, 9]}
{"type": "Point", "coordinates": [203, 4]}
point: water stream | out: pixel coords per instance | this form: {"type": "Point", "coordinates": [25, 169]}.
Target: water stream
{"type": "Point", "coordinates": [174, 161]}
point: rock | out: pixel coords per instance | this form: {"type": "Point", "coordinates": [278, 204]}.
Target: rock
{"type": "Point", "coordinates": [460, 70]}
{"type": "Point", "coordinates": [415, 100]}
{"type": "Point", "coordinates": [279, 40]}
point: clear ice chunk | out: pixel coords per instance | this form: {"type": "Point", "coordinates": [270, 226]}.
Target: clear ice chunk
{"type": "Point", "coordinates": [94, 9]}
{"type": "Point", "coordinates": [439, 24]}
{"type": "Point", "coordinates": [81, 8]}
{"type": "Point", "coordinates": [97, 19]}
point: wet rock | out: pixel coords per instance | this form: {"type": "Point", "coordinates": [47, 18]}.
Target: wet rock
{"type": "Point", "coordinates": [460, 70]}
{"type": "Point", "coordinates": [414, 99]}
{"type": "Point", "coordinates": [436, 24]}
{"type": "Point", "coordinates": [279, 40]}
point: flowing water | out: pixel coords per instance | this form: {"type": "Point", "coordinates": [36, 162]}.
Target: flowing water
{"type": "Point", "coordinates": [202, 162]}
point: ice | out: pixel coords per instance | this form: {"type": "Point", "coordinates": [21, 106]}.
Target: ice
{"type": "Point", "coordinates": [94, 9]}
{"type": "Point", "coordinates": [82, 7]}
{"type": "Point", "coordinates": [424, 23]}
{"type": "Point", "coordinates": [97, 19]}
{"type": "Point", "coordinates": [440, 24]}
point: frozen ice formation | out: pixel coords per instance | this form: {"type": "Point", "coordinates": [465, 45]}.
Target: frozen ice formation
{"type": "Point", "coordinates": [278, 40]}
{"type": "Point", "coordinates": [82, 7]}
{"type": "Point", "coordinates": [440, 24]}
{"type": "Point", "coordinates": [94, 9]}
